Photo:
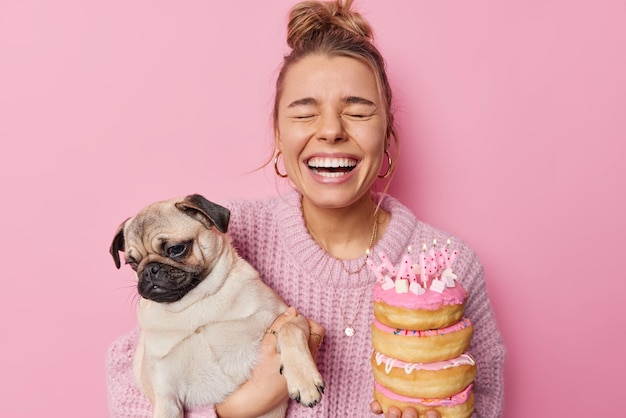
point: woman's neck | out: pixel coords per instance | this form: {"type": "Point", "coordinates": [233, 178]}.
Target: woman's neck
{"type": "Point", "coordinates": [348, 232]}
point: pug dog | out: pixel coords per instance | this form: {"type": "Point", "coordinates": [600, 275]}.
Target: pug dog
{"type": "Point", "coordinates": [204, 310]}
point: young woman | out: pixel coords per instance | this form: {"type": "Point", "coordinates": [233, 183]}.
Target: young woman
{"type": "Point", "coordinates": [335, 137]}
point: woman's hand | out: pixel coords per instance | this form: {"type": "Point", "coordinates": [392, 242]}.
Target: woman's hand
{"type": "Point", "coordinates": [394, 412]}
{"type": "Point", "coordinates": [266, 389]}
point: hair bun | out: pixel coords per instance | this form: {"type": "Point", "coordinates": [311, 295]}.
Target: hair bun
{"type": "Point", "coordinates": [311, 19]}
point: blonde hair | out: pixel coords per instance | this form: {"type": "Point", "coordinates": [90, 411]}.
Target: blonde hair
{"type": "Point", "coordinates": [332, 28]}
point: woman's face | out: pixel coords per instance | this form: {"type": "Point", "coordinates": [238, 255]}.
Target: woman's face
{"type": "Point", "coordinates": [331, 128]}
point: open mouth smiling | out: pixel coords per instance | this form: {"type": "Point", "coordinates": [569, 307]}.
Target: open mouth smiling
{"type": "Point", "coordinates": [331, 167]}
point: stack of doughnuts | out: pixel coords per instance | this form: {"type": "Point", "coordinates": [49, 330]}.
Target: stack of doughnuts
{"type": "Point", "coordinates": [420, 336]}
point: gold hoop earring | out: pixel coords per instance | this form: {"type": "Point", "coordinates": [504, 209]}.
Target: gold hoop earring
{"type": "Point", "coordinates": [278, 154]}
{"type": "Point", "coordinates": [389, 165]}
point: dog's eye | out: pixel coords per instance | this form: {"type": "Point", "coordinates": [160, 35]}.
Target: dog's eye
{"type": "Point", "coordinates": [176, 250]}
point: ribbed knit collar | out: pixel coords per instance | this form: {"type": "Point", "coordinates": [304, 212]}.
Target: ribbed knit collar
{"type": "Point", "coordinates": [306, 252]}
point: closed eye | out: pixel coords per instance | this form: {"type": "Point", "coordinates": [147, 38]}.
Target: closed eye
{"type": "Point", "coordinates": [358, 116]}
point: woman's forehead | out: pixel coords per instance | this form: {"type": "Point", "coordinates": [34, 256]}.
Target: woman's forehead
{"type": "Point", "coordinates": [320, 77]}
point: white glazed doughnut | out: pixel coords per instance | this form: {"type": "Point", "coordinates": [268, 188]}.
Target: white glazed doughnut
{"type": "Point", "coordinates": [440, 379]}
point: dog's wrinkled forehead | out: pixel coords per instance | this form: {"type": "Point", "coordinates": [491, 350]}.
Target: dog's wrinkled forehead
{"type": "Point", "coordinates": [149, 218]}
{"type": "Point", "coordinates": [147, 221]}
{"type": "Point", "coordinates": [159, 222]}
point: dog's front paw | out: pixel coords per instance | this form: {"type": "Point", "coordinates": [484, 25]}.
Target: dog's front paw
{"type": "Point", "coordinates": [305, 385]}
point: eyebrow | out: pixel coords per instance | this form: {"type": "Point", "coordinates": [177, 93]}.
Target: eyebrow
{"type": "Point", "coordinates": [358, 100]}
{"type": "Point", "coordinates": [347, 100]}
{"type": "Point", "coordinates": [303, 102]}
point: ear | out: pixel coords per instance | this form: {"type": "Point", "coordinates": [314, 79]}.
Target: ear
{"type": "Point", "coordinates": [208, 213]}
{"type": "Point", "coordinates": [278, 143]}
{"type": "Point", "coordinates": [118, 244]}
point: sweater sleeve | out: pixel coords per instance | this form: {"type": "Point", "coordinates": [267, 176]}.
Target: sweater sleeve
{"type": "Point", "coordinates": [125, 398]}
{"type": "Point", "coordinates": [487, 346]}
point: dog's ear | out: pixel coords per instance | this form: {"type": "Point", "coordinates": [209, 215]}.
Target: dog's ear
{"type": "Point", "coordinates": [208, 213]}
{"type": "Point", "coordinates": [118, 244]}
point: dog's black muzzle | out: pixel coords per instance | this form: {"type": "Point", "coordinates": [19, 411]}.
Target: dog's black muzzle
{"type": "Point", "coordinates": [164, 283]}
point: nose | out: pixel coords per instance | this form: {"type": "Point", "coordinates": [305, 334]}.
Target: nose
{"type": "Point", "coordinates": [331, 128]}
{"type": "Point", "coordinates": [150, 271]}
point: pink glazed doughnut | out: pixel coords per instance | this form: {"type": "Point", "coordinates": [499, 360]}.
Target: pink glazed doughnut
{"type": "Point", "coordinates": [460, 405]}
{"type": "Point", "coordinates": [430, 310]}
{"type": "Point", "coordinates": [422, 346]}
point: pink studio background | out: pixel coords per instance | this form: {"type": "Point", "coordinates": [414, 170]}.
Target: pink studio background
{"type": "Point", "coordinates": [512, 118]}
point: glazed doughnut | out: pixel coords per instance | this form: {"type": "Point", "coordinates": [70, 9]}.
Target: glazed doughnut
{"type": "Point", "coordinates": [460, 405]}
{"type": "Point", "coordinates": [418, 319]}
{"type": "Point", "coordinates": [440, 379]}
{"type": "Point", "coordinates": [422, 346]}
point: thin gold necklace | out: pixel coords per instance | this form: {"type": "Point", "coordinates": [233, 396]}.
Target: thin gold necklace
{"type": "Point", "coordinates": [367, 250]}
{"type": "Point", "coordinates": [349, 325]}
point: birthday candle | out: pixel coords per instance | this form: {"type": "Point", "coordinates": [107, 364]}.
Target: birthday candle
{"type": "Point", "coordinates": [411, 266]}
{"type": "Point", "coordinates": [445, 253]}
{"type": "Point", "coordinates": [388, 283]}
{"type": "Point", "coordinates": [422, 261]}
{"type": "Point", "coordinates": [452, 257]}
{"type": "Point", "coordinates": [435, 263]}
{"type": "Point", "coordinates": [406, 268]}
{"type": "Point", "coordinates": [379, 276]}
{"type": "Point", "coordinates": [432, 256]}
{"type": "Point", "coordinates": [432, 269]}
{"type": "Point", "coordinates": [386, 264]}
{"type": "Point", "coordinates": [411, 273]}
{"type": "Point", "coordinates": [441, 258]}
{"type": "Point", "coordinates": [401, 268]}
{"type": "Point", "coordinates": [449, 255]}
{"type": "Point", "coordinates": [415, 268]}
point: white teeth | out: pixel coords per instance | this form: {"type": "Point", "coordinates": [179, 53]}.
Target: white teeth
{"type": "Point", "coordinates": [332, 174]}
{"type": "Point", "coordinates": [319, 162]}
